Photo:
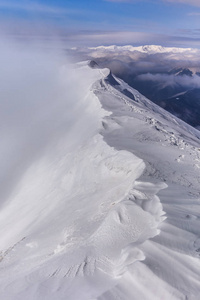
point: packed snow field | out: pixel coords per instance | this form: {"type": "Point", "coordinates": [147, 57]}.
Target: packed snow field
{"type": "Point", "coordinates": [100, 194]}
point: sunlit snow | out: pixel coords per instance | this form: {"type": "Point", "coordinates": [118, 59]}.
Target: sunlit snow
{"type": "Point", "coordinates": [87, 176]}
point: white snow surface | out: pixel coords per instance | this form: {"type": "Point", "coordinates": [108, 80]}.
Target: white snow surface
{"type": "Point", "coordinates": [150, 49]}
{"type": "Point", "coordinates": [83, 220]}
{"type": "Point", "coordinates": [171, 151]}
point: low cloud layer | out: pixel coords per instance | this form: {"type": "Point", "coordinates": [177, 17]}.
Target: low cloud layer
{"type": "Point", "coordinates": [172, 80]}
{"type": "Point", "coordinates": [157, 74]}
{"type": "Point", "coordinates": [137, 63]}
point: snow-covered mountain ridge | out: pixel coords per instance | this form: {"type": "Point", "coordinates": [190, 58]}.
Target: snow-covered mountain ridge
{"type": "Point", "coordinates": [69, 223]}
{"type": "Point", "coordinates": [84, 221]}
{"type": "Point", "coordinates": [171, 151]}
{"type": "Point", "coordinates": [159, 73]}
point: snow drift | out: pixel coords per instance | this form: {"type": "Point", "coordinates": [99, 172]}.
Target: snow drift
{"type": "Point", "coordinates": [73, 215]}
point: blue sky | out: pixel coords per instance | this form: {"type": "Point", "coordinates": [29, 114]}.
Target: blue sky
{"type": "Point", "coordinates": [90, 22]}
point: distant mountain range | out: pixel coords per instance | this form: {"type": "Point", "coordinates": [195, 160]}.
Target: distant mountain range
{"type": "Point", "coordinates": [145, 49]}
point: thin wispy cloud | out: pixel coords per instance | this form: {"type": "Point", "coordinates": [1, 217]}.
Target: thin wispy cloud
{"type": "Point", "coordinates": [111, 37]}
{"type": "Point", "coordinates": [189, 2]}
{"type": "Point", "coordinates": [122, 1]}
{"type": "Point", "coordinates": [34, 7]}
{"type": "Point", "coordinates": [96, 38]}
{"type": "Point", "coordinates": [131, 22]}
{"type": "Point", "coordinates": [194, 14]}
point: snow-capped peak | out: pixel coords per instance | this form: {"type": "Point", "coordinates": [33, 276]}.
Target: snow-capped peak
{"type": "Point", "coordinates": [150, 49]}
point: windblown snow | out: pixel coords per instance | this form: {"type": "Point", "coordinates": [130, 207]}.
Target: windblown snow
{"type": "Point", "coordinates": [80, 214]}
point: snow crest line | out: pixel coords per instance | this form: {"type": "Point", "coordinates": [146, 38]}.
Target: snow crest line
{"type": "Point", "coordinates": [77, 216]}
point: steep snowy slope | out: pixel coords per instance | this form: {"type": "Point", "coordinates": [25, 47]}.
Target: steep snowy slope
{"type": "Point", "coordinates": [171, 151]}
{"type": "Point", "coordinates": [79, 221]}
